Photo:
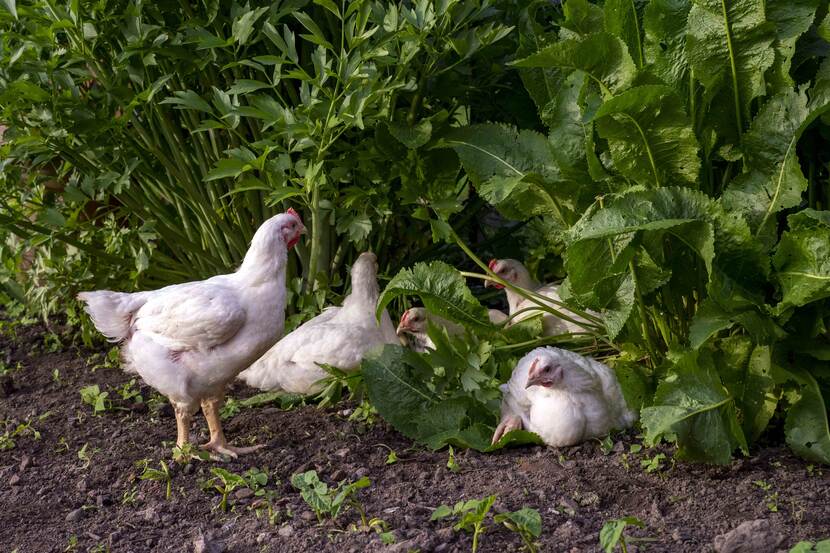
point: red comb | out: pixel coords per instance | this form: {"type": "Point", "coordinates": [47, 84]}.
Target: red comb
{"type": "Point", "coordinates": [492, 264]}
{"type": "Point", "coordinates": [292, 211]}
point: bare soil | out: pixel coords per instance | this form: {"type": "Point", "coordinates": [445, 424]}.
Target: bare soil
{"type": "Point", "coordinates": [51, 500]}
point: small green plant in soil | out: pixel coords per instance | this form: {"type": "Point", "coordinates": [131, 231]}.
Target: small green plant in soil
{"type": "Point", "coordinates": [526, 522]}
{"type": "Point", "coordinates": [330, 502]}
{"type": "Point", "coordinates": [129, 393]}
{"type": "Point", "coordinates": [12, 431]}
{"type": "Point", "coordinates": [470, 516]}
{"type": "Point", "coordinates": [85, 454]}
{"type": "Point", "coordinates": [95, 398]}
{"type": "Point", "coordinates": [655, 464]}
{"type": "Point", "coordinates": [822, 546]}
{"type": "Point", "coordinates": [392, 458]}
{"type": "Point", "coordinates": [161, 474]}
{"type": "Point", "coordinates": [187, 452]}
{"type": "Point", "coordinates": [224, 482]}
{"type": "Point", "coordinates": [452, 464]}
{"type": "Point", "coordinates": [771, 497]}
{"type": "Point", "coordinates": [612, 533]}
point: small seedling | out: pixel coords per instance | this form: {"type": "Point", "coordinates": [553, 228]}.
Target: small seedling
{"type": "Point", "coordinates": [8, 369]}
{"type": "Point", "coordinates": [771, 497]}
{"type": "Point", "coordinates": [56, 376]}
{"type": "Point", "coordinates": [470, 515]}
{"type": "Point", "coordinates": [129, 393]}
{"type": "Point", "coordinates": [330, 502]}
{"type": "Point", "coordinates": [95, 398]}
{"type": "Point", "coordinates": [612, 533]}
{"type": "Point", "coordinates": [654, 464]}
{"type": "Point", "coordinates": [85, 455]}
{"type": "Point", "coordinates": [365, 413]}
{"type": "Point", "coordinates": [129, 496]}
{"type": "Point", "coordinates": [225, 482]}
{"type": "Point", "coordinates": [25, 428]}
{"type": "Point", "coordinates": [185, 453]}
{"type": "Point", "coordinates": [606, 445]}
{"type": "Point", "coordinates": [392, 458]}
{"type": "Point", "coordinates": [451, 463]}
{"type": "Point", "coordinates": [526, 522]}
{"type": "Point", "coordinates": [230, 408]}
{"type": "Point", "coordinates": [822, 546]}
{"type": "Point", "coordinates": [162, 474]}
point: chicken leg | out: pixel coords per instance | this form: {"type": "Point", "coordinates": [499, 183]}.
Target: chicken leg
{"type": "Point", "coordinates": [184, 416]}
{"type": "Point", "coordinates": [508, 424]}
{"type": "Point", "coordinates": [218, 444]}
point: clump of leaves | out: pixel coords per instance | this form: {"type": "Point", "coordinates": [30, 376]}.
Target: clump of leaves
{"type": "Point", "coordinates": [95, 398]}
{"type": "Point", "coordinates": [526, 522]}
{"type": "Point", "coordinates": [224, 482]}
{"type": "Point", "coordinates": [470, 516]}
{"type": "Point", "coordinates": [822, 546]}
{"type": "Point", "coordinates": [612, 533]}
{"type": "Point", "coordinates": [330, 502]}
{"type": "Point", "coordinates": [12, 430]}
{"type": "Point", "coordinates": [161, 474]}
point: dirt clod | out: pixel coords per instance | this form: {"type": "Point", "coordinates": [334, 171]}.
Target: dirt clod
{"type": "Point", "coordinates": [754, 536]}
{"type": "Point", "coordinates": [75, 515]}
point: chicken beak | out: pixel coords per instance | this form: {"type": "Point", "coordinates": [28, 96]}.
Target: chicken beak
{"type": "Point", "coordinates": [533, 374]}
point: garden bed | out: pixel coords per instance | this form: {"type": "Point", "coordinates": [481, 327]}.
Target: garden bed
{"type": "Point", "coordinates": [44, 482]}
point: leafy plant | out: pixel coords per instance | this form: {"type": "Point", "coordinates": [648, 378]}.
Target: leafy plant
{"type": "Point", "coordinates": [470, 516]}
{"type": "Point", "coordinates": [612, 533]}
{"type": "Point", "coordinates": [95, 398]}
{"type": "Point", "coordinates": [224, 482]}
{"type": "Point", "coordinates": [526, 522]}
{"type": "Point", "coordinates": [330, 502]}
{"type": "Point", "coordinates": [13, 430]}
{"type": "Point", "coordinates": [451, 462]}
{"type": "Point", "coordinates": [822, 546]}
{"type": "Point", "coordinates": [162, 474]}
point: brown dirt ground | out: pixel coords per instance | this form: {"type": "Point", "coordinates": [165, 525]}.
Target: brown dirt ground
{"type": "Point", "coordinates": [575, 489]}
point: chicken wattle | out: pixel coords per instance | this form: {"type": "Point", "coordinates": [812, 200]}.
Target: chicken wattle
{"type": "Point", "coordinates": [189, 340]}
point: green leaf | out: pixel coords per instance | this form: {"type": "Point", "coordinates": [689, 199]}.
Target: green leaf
{"type": "Point", "coordinates": [443, 291]}
{"type": "Point", "coordinates": [602, 56]}
{"type": "Point", "coordinates": [622, 19]}
{"type": "Point", "coordinates": [227, 168]}
{"type": "Point", "coordinates": [243, 86]}
{"type": "Point", "coordinates": [526, 518]}
{"type": "Point", "coordinates": [582, 17]}
{"type": "Point", "coordinates": [664, 22]}
{"type": "Point", "coordinates": [807, 427]}
{"type": "Point", "coordinates": [692, 408]}
{"type": "Point", "coordinates": [243, 25]}
{"type": "Point", "coordinates": [792, 19]}
{"type": "Point", "coordinates": [316, 36]}
{"type": "Point", "coordinates": [11, 6]}
{"type": "Point", "coordinates": [775, 181]}
{"type": "Point", "coordinates": [802, 259]}
{"type": "Point", "coordinates": [650, 136]}
{"type": "Point", "coordinates": [188, 99]}
{"type": "Point", "coordinates": [412, 137]}
{"type": "Point", "coordinates": [729, 46]}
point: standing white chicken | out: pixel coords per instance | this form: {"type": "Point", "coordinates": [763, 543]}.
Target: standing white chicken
{"type": "Point", "coordinates": [339, 336]}
{"type": "Point", "coordinates": [517, 274]}
{"type": "Point", "coordinates": [412, 329]}
{"type": "Point", "coordinates": [189, 340]}
{"type": "Point", "coordinates": [563, 397]}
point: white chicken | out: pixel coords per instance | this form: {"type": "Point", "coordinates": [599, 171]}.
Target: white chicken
{"type": "Point", "coordinates": [339, 337]}
{"type": "Point", "coordinates": [563, 397]}
{"type": "Point", "coordinates": [189, 340]}
{"type": "Point", "coordinates": [412, 328]}
{"type": "Point", "coordinates": [517, 274]}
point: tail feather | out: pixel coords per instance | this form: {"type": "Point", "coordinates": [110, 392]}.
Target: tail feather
{"type": "Point", "coordinates": [112, 312]}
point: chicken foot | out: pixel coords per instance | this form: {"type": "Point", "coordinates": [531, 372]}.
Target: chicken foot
{"type": "Point", "coordinates": [508, 424]}
{"type": "Point", "coordinates": [184, 416]}
{"type": "Point", "coordinates": [218, 444]}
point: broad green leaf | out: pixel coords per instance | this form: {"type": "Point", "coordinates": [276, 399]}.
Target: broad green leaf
{"type": "Point", "coordinates": [188, 99]}
{"type": "Point", "coordinates": [412, 137]}
{"type": "Point", "coordinates": [527, 519]}
{"type": "Point", "coordinates": [602, 56]}
{"type": "Point", "coordinates": [692, 408]}
{"type": "Point", "coordinates": [650, 136]}
{"type": "Point", "coordinates": [243, 86]}
{"type": "Point", "coordinates": [623, 18]}
{"type": "Point", "coordinates": [664, 23]}
{"type": "Point", "coordinates": [541, 83]}
{"type": "Point", "coordinates": [443, 291]}
{"type": "Point", "coordinates": [729, 46]}
{"type": "Point", "coordinates": [746, 370]}
{"type": "Point", "coordinates": [802, 259]}
{"type": "Point", "coordinates": [611, 532]}
{"type": "Point", "coordinates": [792, 18]}
{"type": "Point", "coordinates": [582, 17]}
{"type": "Point", "coordinates": [227, 168]}
{"type": "Point", "coordinates": [709, 319]}
{"type": "Point", "coordinates": [316, 36]}
{"type": "Point", "coordinates": [807, 427]}
{"type": "Point", "coordinates": [774, 181]}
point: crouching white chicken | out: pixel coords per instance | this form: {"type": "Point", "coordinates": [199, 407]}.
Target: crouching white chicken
{"type": "Point", "coordinates": [563, 397]}
{"type": "Point", "coordinates": [517, 274]}
{"type": "Point", "coordinates": [339, 337]}
{"type": "Point", "coordinates": [189, 340]}
{"type": "Point", "coordinates": [412, 329]}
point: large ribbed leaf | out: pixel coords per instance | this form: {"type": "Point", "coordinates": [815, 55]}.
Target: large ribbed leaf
{"type": "Point", "coordinates": [623, 19]}
{"type": "Point", "coordinates": [807, 427]}
{"type": "Point", "coordinates": [775, 180]}
{"type": "Point", "coordinates": [602, 56]}
{"type": "Point", "coordinates": [650, 136]}
{"type": "Point", "coordinates": [664, 23]}
{"type": "Point", "coordinates": [802, 259]}
{"type": "Point", "coordinates": [792, 18]}
{"type": "Point", "coordinates": [729, 45]}
{"type": "Point", "coordinates": [442, 290]}
{"type": "Point", "coordinates": [692, 408]}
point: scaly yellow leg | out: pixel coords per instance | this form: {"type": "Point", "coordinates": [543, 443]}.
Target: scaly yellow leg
{"type": "Point", "coordinates": [218, 444]}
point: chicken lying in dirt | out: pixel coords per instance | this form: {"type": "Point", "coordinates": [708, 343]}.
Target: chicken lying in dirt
{"type": "Point", "coordinates": [189, 340]}
{"type": "Point", "coordinates": [563, 397]}
{"type": "Point", "coordinates": [517, 274]}
{"type": "Point", "coordinates": [412, 329]}
{"type": "Point", "coordinates": [339, 337]}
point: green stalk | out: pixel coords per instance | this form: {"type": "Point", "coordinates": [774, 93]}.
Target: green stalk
{"type": "Point", "coordinates": [641, 307]}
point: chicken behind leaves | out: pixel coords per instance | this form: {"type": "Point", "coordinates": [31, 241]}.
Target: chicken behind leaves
{"type": "Point", "coordinates": [412, 329]}
{"type": "Point", "coordinates": [189, 340]}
